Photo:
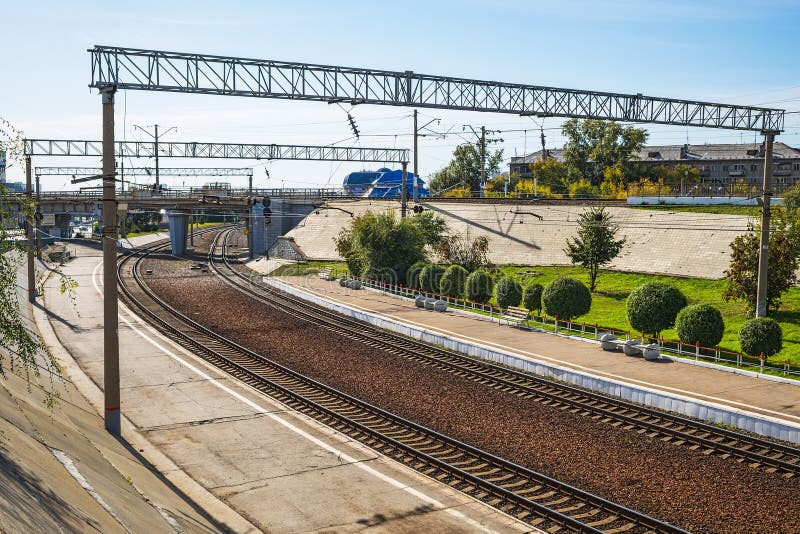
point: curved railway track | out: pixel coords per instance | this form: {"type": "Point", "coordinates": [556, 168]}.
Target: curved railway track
{"type": "Point", "coordinates": [703, 437]}
{"type": "Point", "coordinates": [529, 496]}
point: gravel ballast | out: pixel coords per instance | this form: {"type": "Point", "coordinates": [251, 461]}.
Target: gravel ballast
{"type": "Point", "coordinates": [673, 483]}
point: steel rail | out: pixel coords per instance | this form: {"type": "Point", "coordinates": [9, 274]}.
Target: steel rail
{"type": "Point", "coordinates": [757, 452]}
{"type": "Point", "coordinates": [478, 473]}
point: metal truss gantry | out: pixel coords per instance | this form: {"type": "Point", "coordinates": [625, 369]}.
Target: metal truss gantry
{"type": "Point", "coordinates": [143, 149]}
{"type": "Point", "coordinates": [143, 171]}
{"type": "Point", "coordinates": [153, 70]}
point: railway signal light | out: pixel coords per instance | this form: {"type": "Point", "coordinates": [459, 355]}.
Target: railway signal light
{"type": "Point", "coordinates": [267, 215]}
{"type": "Point", "coordinates": [418, 208]}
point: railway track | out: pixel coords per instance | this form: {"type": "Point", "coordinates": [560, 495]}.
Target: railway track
{"type": "Point", "coordinates": [532, 497]}
{"type": "Point", "coordinates": [696, 435]}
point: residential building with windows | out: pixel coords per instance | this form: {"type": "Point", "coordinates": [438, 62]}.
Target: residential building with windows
{"type": "Point", "coordinates": [718, 163]}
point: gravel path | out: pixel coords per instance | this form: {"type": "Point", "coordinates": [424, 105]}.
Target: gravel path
{"type": "Point", "coordinates": [675, 484]}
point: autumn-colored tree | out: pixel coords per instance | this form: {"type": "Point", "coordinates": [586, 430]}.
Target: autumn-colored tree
{"type": "Point", "coordinates": [593, 145]}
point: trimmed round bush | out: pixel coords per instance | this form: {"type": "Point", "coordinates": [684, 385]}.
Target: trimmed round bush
{"type": "Point", "coordinates": [566, 298]}
{"type": "Point", "coordinates": [700, 323]}
{"type": "Point", "coordinates": [355, 264]}
{"type": "Point", "coordinates": [532, 297]}
{"type": "Point", "coordinates": [479, 286]}
{"type": "Point", "coordinates": [761, 335]}
{"type": "Point", "coordinates": [508, 292]}
{"type": "Point", "coordinates": [653, 307]}
{"type": "Point", "coordinates": [430, 276]}
{"type": "Point", "coordinates": [453, 281]}
{"type": "Point", "coordinates": [412, 275]}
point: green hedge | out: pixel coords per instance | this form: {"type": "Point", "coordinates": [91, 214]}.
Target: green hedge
{"type": "Point", "coordinates": [479, 286]}
{"type": "Point", "coordinates": [761, 335]}
{"type": "Point", "coordinates": [508, 292]}
{"type": "Point", "coordinates": [653, 307]}
{"type": "Point", "coordinates": [700, 323]}
{"type": "Point", "coordinates": [430, 276]}
{"type": "Point", "coordinates": [412, 275]}
{"type": "Point", "coordinates": [566, 298]}
{"type": "Point", "coordinates": [532, 297]}
{"type": "Point", "coordinates": [454, 281]}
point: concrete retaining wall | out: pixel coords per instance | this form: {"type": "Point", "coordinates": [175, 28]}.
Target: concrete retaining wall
{"type": "Point", "coordinates": [697, 201]}
{"type": "Point", "coordinates": [707, 411]}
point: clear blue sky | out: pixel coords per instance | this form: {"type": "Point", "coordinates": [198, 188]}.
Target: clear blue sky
{"type": "Point", "coordinates": [729, 51]}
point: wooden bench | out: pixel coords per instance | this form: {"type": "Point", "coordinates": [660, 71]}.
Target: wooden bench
{"type": "Point", "coordinates": [515, 315]}
{"type": "Point", "coordinates": [326, 273]}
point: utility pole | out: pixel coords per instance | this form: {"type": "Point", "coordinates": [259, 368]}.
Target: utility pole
{"type": "Point", "coordinates": [763, 253]}
{"type": "Point", "coordinates": [416, 169]}
{"type": "Point", "coordinates": [37, 216]}
{"type": "Point", "coordinates": [110, 304]}
{"type": "Point", "coordinates": [483, 159]}
{"type": "Point", "coordinates": [29, 233]}
{"type": "Point", "coordinates": [403, 193]}
{"type": "Point", "coordinates": [544, 157]}
{"type": "Point", "coordinates": [155, 137]}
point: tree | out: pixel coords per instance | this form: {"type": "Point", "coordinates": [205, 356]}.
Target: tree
{"type": "Point", "coordinates": [783, 259]}
{"type": "Point", "coordinates": [532, 297]}
{"type": "Point", "coordinates": [459, 249]}
{"type": "Point", "coordinates": [430, 277]}
{"type": "Point", "coordinates": [551, 173]}
{"type": "Point", "coordinates": [653, 307]}
{"type": "Point", "coordinates": [566, 298]}
{"type": "Point", "coordinates": [502, 183]}
{"type": "Point", "coordinates": [596, 244]}
{"type": "Point", "coordinates": [593, 145]}
{"type": "Point", "coordinates": [22, 346]}
{"type": "Point", "coordinates": [387, 245]}
{"type": "Point", "coordinates": [465, 168]}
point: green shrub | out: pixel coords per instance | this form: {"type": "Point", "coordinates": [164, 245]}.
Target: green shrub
{"type": "Point", "coordinates": [412, 275]}
{"type": "Point", "coordinates": [453, 281]}
{"type": "Point", "coordinates": [430, 276]}
{"type": "Point", "coordinates": [508, 292]}
{"type": "Point", "coordinates": [653, 307]}
{"type": "Point", "coordinates": [762, 335]}
{"type": "Point", "coordinates": [479, 286]}
{"type": "Point", "coordinates": [700, 323]}
{"type": "Point", "coordinates": [532, 297]}
{"type": "Point", "coordinates": [566, 298]}
{"type": "Point", "coordinates": [355, 264]}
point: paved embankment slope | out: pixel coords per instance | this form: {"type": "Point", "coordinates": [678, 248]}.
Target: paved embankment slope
{"type": "Point", "coordinates": [60, 471]}
{"type": "Point", "coordinates": [659, 242]}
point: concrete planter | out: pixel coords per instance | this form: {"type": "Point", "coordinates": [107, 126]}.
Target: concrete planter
{"type": "Point", "coordinates": [632, 348]}
{"type": "Point", "coordinates": [343, 281]}
{"type": "Point", "coordinates": [419, 301]}
{"type": "Point", "coordinates": [430, 303]}
{"type": "Point", "coordinates": [354, 284]}
{"type": "Point", "coordinates": [440, 306]}
{"type": "Point", "coordinates": [651, 352]}
{"type": "Point", "coordinates": [607, 342]}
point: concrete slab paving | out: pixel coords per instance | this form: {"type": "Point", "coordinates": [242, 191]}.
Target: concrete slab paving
{"type": "Point", "coordinates": [281, 471]}
{"type": "Point", "coordinates": [759, 396]}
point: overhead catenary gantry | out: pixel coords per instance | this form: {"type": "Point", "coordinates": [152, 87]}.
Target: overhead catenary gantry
{"type": "Point", "coordinates": [156, 70]}
{"type": "Point", "coordinates": [145, 171]}
{"type": "Point", "coordinates": [115, 68]}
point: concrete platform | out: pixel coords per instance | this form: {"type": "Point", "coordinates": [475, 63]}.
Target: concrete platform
{"type": "Point", "coordinates": [245, 454]}
{"type": "Point", "coordinates": [758, 405]}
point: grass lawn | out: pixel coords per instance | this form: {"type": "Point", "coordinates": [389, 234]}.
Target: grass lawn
{"type": "Point", "coordinates": [609, 303]}
{"type": "Point", "coordinates": [310, 267]}
{"type": "Point", "coordinates": [724, 209]}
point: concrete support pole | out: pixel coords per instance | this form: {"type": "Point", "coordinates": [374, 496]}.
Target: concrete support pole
{"type": "Point", "coordinates": [483, 160]}
{"type": "Point", "coordinates": [110, 304]}
{"type": "Point", "coordinates": [403, 193]}
{"type": "Point", "coordinates": [416, 160]}
{"type": "Point", "coordinates": [763, 253]}
{"type": "Point", "coordinates": [37, 216]}
{"type": "Point", "coordinates": [191, 228]}
{"type": "Point", "coordinates": [29, 234]}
